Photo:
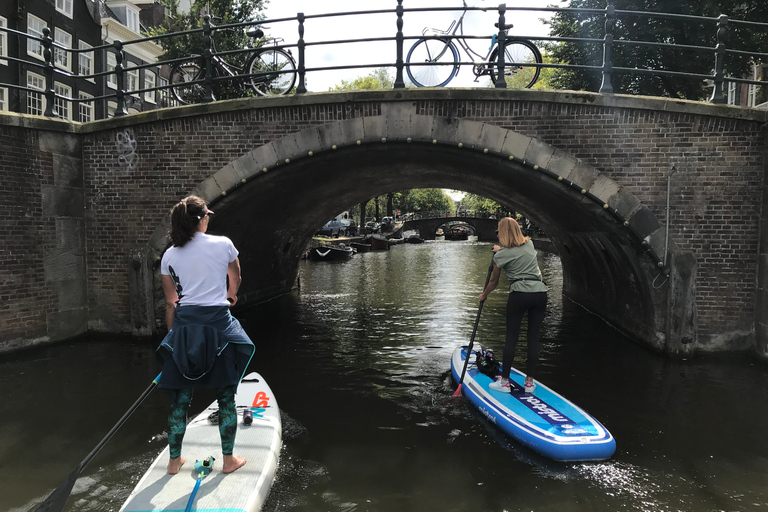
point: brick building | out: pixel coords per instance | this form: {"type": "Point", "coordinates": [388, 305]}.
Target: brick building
{"type": "Point", "coordinates": [80, 25]}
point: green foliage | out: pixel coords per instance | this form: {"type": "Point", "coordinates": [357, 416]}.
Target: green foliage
{"type": "Point", "coordinates": [659, 30]}
{"type": "Point", "coordinates": [378, 79]}
{"type": "Point", "coordinates": [422, 199]}
{"type": "Point", "coordinates": [480, 203]}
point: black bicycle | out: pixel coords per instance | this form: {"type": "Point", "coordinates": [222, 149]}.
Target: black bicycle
{"type": "Point", "coordinates": [268, 71]}
{"type": "Point", "coordinates": [433, 62]}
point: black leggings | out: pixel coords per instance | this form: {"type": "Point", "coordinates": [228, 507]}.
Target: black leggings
{"type": "Point", "coordinates": [519, 303]}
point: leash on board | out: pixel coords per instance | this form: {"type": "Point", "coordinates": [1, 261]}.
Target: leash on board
{"type": "Point", "coordinates": [203, 469]}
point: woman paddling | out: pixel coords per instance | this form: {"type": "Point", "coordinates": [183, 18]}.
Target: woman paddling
{"type": "Point", "coordinates": [527, 294]}
{"type": "Point", "coordinates": [205, 347]}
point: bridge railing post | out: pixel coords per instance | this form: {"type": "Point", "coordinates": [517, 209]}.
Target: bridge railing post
{"type": "Point", "coordinates": [501, 40]}
{"type": "Point", "coordinates": [399, 82]}
{"type": "Point", "coordinates": [718, 93]}
{"type": "Point", "coordinates": [120, 77]}
{"type": "Point", "coordinates": [302, 87]}
{"type": "Point", "coordinates": [208, 57]}
{"type": "Point", "coordinates": [50, 93]}
{"type": "Point", "coordinates": [610, 22]}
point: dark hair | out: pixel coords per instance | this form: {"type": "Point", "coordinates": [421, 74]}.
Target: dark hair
{"type": "Point", "coordinates": [185, 219]}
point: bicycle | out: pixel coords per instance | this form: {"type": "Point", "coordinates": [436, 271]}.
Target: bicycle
{"type": "Point", "coordinates": [441, 57]}
{"type": "Point", "coordinates": [267, 71]}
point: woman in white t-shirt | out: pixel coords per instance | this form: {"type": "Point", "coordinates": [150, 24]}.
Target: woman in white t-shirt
{"type": "Point", "coordinates": [206, 346]}
{"type": "Point", "coordinates": [527, 295]}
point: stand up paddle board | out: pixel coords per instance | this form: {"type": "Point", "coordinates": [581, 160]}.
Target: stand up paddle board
{"type": "Point", "coordinates": [241, 491]}
{"type": "Point", "coordinates": [543, 420]}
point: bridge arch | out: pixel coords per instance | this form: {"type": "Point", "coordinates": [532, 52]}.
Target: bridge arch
{"type": "Point", "coordinates": [611, 245]}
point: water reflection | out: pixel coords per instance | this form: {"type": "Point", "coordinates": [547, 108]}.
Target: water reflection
{"type": "Point", "coordinates": [359, 361]}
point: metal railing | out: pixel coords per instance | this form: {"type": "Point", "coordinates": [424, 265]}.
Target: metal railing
{"type": "Point", "coordinates": [608, 17]}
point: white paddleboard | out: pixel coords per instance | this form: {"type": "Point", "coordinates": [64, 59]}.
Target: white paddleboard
{"type": "Point", "coordinates": [241, 491]}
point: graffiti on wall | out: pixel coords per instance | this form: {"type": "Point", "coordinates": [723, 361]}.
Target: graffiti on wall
{"type": "Point", "coordinates": [125, 144]}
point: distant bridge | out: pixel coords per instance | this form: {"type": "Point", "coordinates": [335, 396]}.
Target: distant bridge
{"type": "Point", "coordinates": [484, 228]}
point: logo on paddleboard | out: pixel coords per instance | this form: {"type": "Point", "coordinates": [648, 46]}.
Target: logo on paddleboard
{"type": "Point", "coordinates": [260, 404]}
{"type": "Point", "coordinates": [540, 407]}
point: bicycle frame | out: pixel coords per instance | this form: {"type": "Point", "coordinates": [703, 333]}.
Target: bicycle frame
{"type": "Point", "coordinates": [458, 25]}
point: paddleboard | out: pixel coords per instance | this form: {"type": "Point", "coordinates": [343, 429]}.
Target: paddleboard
{"type": "Point", "coordinates": [245, 489]}
{"type": "Point", "coordinates": [544, 421]}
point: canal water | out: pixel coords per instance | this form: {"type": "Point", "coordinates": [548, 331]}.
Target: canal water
{"type": "Point", "coordinates": [358, 360]}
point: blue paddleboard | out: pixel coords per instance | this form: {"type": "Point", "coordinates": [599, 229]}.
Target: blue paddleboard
{"type": "Point", "coordinates": [543, 420]}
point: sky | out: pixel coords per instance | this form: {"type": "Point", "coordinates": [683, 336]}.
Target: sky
{"type": "Point", "coordinates": [384, 25]}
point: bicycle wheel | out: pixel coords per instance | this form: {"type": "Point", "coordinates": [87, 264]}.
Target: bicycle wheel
{"type": "Point", "coordinates": [432, 62]}
{"type": "Point", "coordinates": [518, 76]}
{"type": "Point", "coordinates": [181, 75]}
{"type": "Point", "coordinates": [275, 72]}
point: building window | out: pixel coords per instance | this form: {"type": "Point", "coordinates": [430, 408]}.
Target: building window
{"type": "Point", "coordinates": [85, 108]}
{"type": "Point", "coordinates": [85, 61]}
{"type": "Point", "coordinates": [132, 19]}
{"type": "Point", "coordinates": [732, 98]}
{"type": "Point", "coordinates": [35, 28]}
{"type": "Point", "coordinates": [64, 6]}
{"type": "Point", "coordinates": [132, 79]}
{"type": "Point", "coordinates": [150, 79]}
{"type": "Point", "coordinates": [111, 107]}
{"type": "Point", "coordinates": [4, 99]}
{"type": "Point", "coordinates": [63, 105]}
{"type": "Point", "coordinates": [165, 98]}
{"type": "Point", "coordinates": [3, 41]}
{"type": "Point", "coordinates": [35, 100]}
{"type": "Point", "coordinates": [62, 57]}
{"type": "Point", "coordinates": [111, 65]}
{"type": "Point", "coordinates": [752, 96]}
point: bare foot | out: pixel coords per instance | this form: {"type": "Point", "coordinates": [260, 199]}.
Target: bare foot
{"type": "Point", "coordinates": [174, 465]}
{"type": "Point", "coordinates": [231, 463]}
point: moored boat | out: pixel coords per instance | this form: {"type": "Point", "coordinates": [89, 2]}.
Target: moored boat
{"type": "Point", "coordinates": [378, 242]}
{"type": "Point", "coordinates": [413, 237]}
{"type": "Point", "coordinates": [360, 247]}
{"type": "Point", "coordinates": [331, 253]}
{"type": "Point", "coordinates": [457, 233]}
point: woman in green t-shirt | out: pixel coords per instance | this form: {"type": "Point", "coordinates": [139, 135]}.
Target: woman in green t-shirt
{"type": "Point", "coordinates": [527, 294]}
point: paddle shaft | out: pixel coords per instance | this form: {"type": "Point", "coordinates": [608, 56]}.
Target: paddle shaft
{"type": "Point", "coordinates": [58, 498]}
{"type": "Point", "coordinates": [474, 330]}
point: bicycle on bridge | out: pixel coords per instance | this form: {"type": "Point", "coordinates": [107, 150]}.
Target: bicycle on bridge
{"type": "Point", "coordinates": [434, 61]}
{"type": "Point", "coordinates": [268, 71]}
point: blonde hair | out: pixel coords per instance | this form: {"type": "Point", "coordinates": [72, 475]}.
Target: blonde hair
{"type": "Point", "coordinates": [510, 234]}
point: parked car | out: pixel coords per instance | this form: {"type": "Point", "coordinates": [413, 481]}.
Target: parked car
{"type": "Point", "coordinates": [372, 226]}
{"type": "Point", "coordinates": [332, 228]}
{"type": "Point", "coordinates": [387, 223]}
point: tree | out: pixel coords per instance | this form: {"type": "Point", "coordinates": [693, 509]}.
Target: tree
{"type": "Point", "coordinates": [226, 12]}
{"type": "Point", "coordinates": [423, 199]}
{"type": "Point", "coordinates": [658, 30]}
{"type": "Point", "coordinates": [377, 79]}
{"type": "Point", "coordinates": [479, 203]}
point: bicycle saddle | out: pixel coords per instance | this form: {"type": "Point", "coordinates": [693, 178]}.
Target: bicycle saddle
{"type": "Point", "coordinates": [506, 27]}
{"type": "Point", "coordinates": [255, 32]}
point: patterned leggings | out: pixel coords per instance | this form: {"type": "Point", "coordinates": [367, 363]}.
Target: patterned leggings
{"type": "Point", "coordinates": [177, 420]}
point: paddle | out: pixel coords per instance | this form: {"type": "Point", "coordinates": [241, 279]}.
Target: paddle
{"type": "Point", "coordinates": [472, 339]}
{"type": "Point", "coordinates": [58, 498]}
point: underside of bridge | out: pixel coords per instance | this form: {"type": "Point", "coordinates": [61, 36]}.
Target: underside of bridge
{"type": "Point", "coordinates": [606, 268]}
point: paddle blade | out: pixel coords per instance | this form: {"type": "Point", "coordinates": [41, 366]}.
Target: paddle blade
{"type": "Point", "coordinates": [58, 498]}
{"type": "Point", "coordinates": [458, 391]}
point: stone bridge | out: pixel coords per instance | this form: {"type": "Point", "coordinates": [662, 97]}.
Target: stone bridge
{"type": "Point", "coordinates": [485, 229]}
{"type": "Point", "coordinates": [85, 206]}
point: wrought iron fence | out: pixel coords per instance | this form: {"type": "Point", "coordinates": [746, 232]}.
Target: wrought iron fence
{"type": "Point", "coordinates": [608, 17]}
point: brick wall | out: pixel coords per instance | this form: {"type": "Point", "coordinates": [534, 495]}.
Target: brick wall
{"type": "Point", "coordinates": [25, 296]}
